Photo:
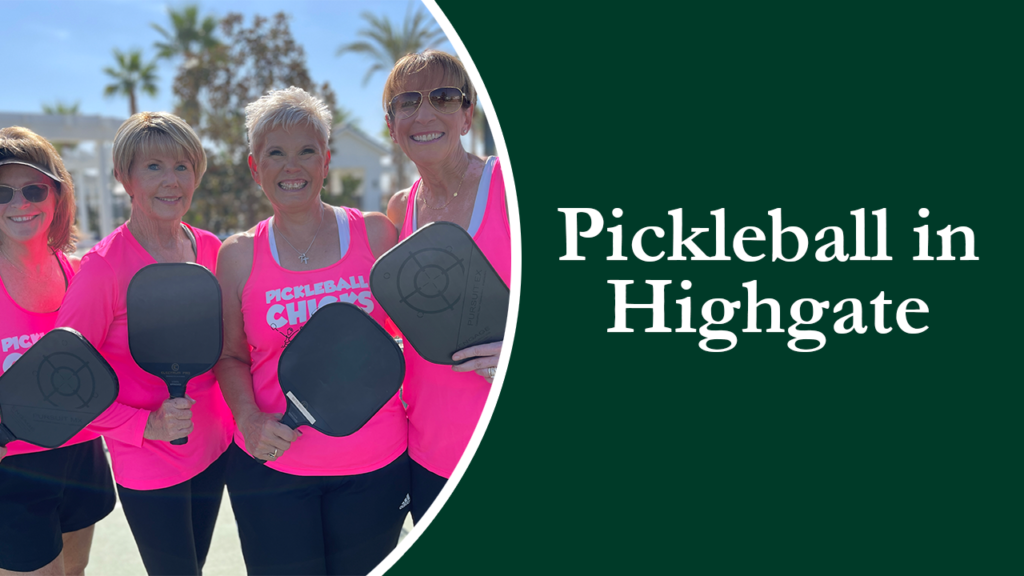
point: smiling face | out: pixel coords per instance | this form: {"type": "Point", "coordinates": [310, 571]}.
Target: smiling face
{"type": "Point", "coordinates": [161, 182]}
{"type": "Point", "coordinates": [21, 220]}
{"type": "Point", "coordinates": [291, 165]}
{"type": "Point", "coordinates": [429, 137]}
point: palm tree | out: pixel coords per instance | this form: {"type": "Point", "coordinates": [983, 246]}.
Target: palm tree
{"type": "Point", "coordinates": [130, 76]}
{"type": "Point", "coordinates": [188, 36]}
{"type": "Point", "coordinates": [385, 45]}
{"type": "Point", "coordinates": [192, 40]}
{"type": "Point", "coordinates": [60, 108]}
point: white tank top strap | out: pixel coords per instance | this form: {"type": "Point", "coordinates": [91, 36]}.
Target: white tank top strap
{"type": "Point", "coordinates": [482, 191]}
{"type": "Point", "coordinates": [344, 236]}
{"type": "Point", "coordinates": [479, 203]}
{"type": "Point", "coordinates": [270, 239]}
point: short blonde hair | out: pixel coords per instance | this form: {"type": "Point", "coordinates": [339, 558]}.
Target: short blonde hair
{"type": "Point", "coordinates": [451, 70]}
{"type": "Point", "coordinates": [24, 144]}
{"type": "Point", "coordinates": [284, 109]}
{"type": "Point", "coordinates": [156, 132]}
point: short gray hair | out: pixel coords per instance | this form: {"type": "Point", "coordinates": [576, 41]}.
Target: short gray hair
{"type": "Point", "coordinates": [284, 109]}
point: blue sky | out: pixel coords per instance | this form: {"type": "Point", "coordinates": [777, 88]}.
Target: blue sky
{"type": "Point", "coordinates": [57, 49]}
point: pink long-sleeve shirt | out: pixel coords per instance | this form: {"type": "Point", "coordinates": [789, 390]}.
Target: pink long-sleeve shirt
{"type": "Point", "coordinates": [95, 305]}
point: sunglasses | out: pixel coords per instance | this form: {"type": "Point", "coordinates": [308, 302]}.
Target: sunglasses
{"type": "Point", "coordinates": [446, 100]}
{"type": "Point", "coordinates": [32, 192]}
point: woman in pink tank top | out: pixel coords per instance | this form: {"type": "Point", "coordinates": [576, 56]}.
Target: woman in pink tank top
{"type": "Point", "coordinates": [170, 494]}
{"type": "Point", "coordinates": [444, 403]}
{"type": "Point", "coordinates": [320, 505]}
{"type": "Point", "coordinates": [50, 500]}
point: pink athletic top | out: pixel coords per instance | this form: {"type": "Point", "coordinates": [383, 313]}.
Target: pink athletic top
{"type": "Point", "coordinates": [19, 330]}
{"type": "Point", "coordinates": [95, 305]}
{"type": "Point", "coordinates": [276, 303]}
{"type": "Point", "coordinates": [444, 405]}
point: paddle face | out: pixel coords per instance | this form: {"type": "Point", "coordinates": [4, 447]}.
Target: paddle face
{"type": "Point", "coordinates": [59, 386]}
{"type": "Point", "coordinates": [441, 292]}
{"type": "Point", "coordinates": [341, 369]}
{"type": "Point", "coordinates": [175, 329]}
{"type": "Point", "coordinates": [174, 320]}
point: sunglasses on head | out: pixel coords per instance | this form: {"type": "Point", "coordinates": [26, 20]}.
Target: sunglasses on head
{"type": "Point", "coordinates": [32, 192]}
{"type": "Point", "coordinates": [446, 100]}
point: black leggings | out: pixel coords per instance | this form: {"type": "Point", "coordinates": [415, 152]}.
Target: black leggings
{"type": "Point", "coordinates": [316, 524]}
{"type": "Point", "coordinates": [173, 526]}
{"type": "Point", "coordinates": [425, 487]}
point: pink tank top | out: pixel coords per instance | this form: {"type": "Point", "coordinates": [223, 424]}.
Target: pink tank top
{"type": "Point", "coordinates": [276, 303]}
{"type": "Point", "coordinates": [19, 330]}
{"type": "Point", "coordinates": [96, 306]}
{"type": "Point", "coordinates": [444, 405]}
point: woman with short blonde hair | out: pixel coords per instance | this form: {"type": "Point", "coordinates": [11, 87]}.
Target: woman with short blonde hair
{"type": "Point", "coordinates": [170, 493]}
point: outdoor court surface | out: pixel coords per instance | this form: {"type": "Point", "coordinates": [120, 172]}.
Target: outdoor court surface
{"type": "Point", "coordinates": [114, 552]}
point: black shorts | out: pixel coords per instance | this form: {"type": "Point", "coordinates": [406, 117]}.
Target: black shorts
{"type": "Point", "coordinates": [46, 494]}
{"type": "Point", "coordinates": [316, 524]}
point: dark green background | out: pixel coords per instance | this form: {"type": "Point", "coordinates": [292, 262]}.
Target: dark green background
{"type": "Point", "coordinates": [626, 453]}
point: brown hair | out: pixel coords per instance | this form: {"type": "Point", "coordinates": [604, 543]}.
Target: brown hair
{"type": "Point", "coordinates": [24, 144]}
{"type": "Point", "coordinates": [452, 72]}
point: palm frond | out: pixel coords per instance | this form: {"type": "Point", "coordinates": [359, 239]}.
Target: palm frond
{"type": "Point", "coordinates": [384, 45]}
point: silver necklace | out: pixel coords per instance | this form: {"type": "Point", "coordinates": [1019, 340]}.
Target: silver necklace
{"type": "Point", "coordinates": [302, 255]}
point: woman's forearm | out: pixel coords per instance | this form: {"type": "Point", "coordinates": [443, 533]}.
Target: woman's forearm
{"type": "Point", "coordinates": [236, 384]}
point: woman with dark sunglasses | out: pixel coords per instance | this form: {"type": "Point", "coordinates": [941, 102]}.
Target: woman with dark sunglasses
{"type": "Point", "coordinates": [50, 500]}
{"type": "Point", "coordinates": [429, 101]}
{"type": "Point", "coordinates": [170, 494]}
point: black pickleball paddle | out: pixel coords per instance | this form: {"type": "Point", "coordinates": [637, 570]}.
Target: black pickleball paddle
{"type": "Point", "coordinates": [175, 330]}
{"type": "Point", "coordinates": [339, 370]}
{"type": "Point", "coordinates": [441, 292]}
{"type": "Point", "coordinates": [54, 390]}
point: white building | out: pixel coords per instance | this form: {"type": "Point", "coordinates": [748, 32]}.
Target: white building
{"type": "Point", "coordinates": [89, 162]}
{"type": "Point", "coordinates": [356, 155]}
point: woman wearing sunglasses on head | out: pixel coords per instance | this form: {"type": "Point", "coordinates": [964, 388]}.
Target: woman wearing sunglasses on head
{"type": "Point", "coordinates": [170, 493]}
{"type": "Point", "coordinates": [49, 499]}
{"type": "Point", "coordinates": [444, 403]}
{"type": "Point", "coordinates": [320, 505]}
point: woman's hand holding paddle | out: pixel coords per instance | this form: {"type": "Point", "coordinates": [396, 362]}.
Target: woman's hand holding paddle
{"type": "Point", "coordinates": [265, 437]}
{"type": "Point", "coordinates": [172, 421]}
{"type": "Point", "coordinates": [484, 359]}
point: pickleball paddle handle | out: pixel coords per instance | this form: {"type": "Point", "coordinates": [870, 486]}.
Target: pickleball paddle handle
{"type": "Point", "coordinates": [288, 420]}
{"type": "Point", "coordinates": [176, 388]}
{"type": "Point", "coordinates": [6, 435]}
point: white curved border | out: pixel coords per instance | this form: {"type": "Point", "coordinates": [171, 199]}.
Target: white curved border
{"type": "Point", "coordinates": [513, 310]}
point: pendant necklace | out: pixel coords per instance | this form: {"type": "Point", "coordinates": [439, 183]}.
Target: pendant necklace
{"type": "Point", "coordinates": [302, 255]}
{"type": "Point", "coordinates": [457, 188]}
